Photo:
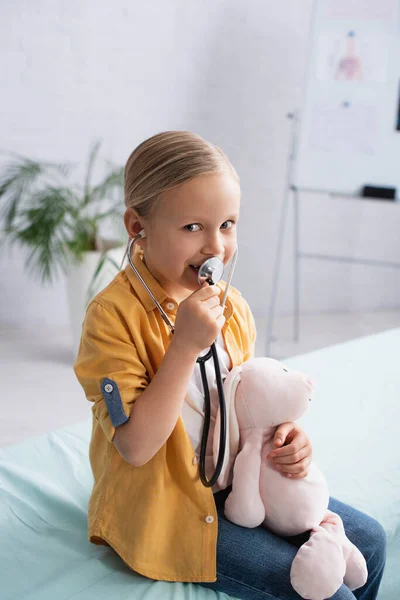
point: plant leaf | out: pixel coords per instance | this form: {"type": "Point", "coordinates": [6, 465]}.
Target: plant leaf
{"type": "Point", "coordinates": [89, 169]}
{"type": "Point", "coordinates": [42, 229]}
{"type": "Point", "coordinates": [18, 181]}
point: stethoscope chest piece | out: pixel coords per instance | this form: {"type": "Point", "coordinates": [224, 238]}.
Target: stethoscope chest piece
{"type": "Point", "coordinates": [211, 269]}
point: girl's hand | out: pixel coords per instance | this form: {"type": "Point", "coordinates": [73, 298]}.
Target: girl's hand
{"type": "Point", "coordinates": [292, 454]}
{"type": "Point", "coordinates": [199, 319]}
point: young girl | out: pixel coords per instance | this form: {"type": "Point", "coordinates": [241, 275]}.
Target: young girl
{"type": "Point", "coordinates": [148, 502]}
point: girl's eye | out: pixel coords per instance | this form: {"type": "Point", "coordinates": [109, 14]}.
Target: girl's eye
{"type": "Point", "coordinates": [191, 225]}
{"type": "Point", "coordinates": [197, 225]}
{"type": "Point", "coordinates": [231, 222]}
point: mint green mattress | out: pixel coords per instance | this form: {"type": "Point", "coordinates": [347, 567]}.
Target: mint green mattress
{"type": "Point", "coordinates": [45, 483]}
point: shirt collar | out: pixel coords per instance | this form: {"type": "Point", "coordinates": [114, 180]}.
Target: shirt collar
{"type": "Point", "coordinates": [156, 289]}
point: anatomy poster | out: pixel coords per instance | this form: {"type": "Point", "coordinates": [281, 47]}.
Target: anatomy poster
{"type": "Point", "coordinates": [344, 128]}
{"type": "Point", "coordinates": [350, 56]}
{"type": "Point", "coordinates": [363, 9]}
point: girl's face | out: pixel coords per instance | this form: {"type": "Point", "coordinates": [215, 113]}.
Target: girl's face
{"type": "Point", "coordinates": [193, 221]}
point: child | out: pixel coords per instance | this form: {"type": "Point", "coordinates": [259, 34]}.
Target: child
{"type": "Point", "coordinates": [148, 502]}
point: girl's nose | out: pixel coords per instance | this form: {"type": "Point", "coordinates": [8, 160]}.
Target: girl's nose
{"type": "Point", "coordinates": [214, 247]}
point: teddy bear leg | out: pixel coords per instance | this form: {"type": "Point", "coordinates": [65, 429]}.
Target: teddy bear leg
{"type": "Point", "coordinates": [318, 568]}
{"type": "Point", "coordinates": [356, 568]}
{"type": "Point", "coordinates": [244, 506]}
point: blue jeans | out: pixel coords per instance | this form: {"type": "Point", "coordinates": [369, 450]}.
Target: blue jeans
{"type": "Point", "coordinates": [254, 564]}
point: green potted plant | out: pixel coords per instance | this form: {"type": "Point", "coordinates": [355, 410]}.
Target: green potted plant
{"type": "Point", "coordinates": [60, 224]}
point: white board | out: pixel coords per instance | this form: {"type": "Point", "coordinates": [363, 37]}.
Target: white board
{"type": "Point", "coordinates": [348, 133]}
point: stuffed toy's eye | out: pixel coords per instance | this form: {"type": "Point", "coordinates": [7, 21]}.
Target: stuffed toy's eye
{"type": "Point", "coordinates": [285, 370]}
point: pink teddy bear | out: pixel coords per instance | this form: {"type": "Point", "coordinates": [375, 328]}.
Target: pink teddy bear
{"type": "Point", "coordinates": [261, 394]}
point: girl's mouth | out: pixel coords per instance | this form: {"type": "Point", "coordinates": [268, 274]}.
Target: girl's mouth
{"type": "Point", "coordinates": [195, 269]}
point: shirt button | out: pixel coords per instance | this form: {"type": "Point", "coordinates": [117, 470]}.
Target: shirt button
{"type": "Point", "coordinates": [210, 519]}
{"type": "Point", "coordinates": [195, 460]}
{"type": "Point", "coordinates": [170, 305]}
{"type": "Point", "coordinates": [109, 388]}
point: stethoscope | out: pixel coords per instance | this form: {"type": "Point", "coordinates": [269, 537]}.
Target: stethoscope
{"type": "Point", "coordinates": [211, 270]}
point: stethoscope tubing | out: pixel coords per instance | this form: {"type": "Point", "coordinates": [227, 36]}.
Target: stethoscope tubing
{"type": "Point", "coordinates": [201, 360]}
{"type": "Point", "coordinates": [207, 418]}
{"type": "Point", "coordinates": [160, 308]}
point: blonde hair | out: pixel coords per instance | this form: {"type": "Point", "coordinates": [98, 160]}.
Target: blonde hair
{"type": "Point", "coordinates": [163, 162]}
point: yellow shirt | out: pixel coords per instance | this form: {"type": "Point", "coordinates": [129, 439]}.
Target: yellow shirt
{"type": "Point", "coordinates": [158, 517]}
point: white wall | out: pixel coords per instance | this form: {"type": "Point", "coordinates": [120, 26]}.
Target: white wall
{"type": "Point", "coordinates": [229, 71]}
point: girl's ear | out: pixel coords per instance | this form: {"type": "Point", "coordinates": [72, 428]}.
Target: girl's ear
{"type": "Point", "coordinates": [133, 223]}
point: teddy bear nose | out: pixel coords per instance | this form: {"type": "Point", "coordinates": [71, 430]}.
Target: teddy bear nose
{"type": "Point", "coordinates": [310, 381]}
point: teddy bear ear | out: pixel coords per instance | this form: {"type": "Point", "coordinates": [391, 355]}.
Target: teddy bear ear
{"type": "Point", "coordinates": [232, 429]}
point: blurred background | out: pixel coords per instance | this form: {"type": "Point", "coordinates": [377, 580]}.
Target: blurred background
{"type": "Point", "coordinates": [302, 96]}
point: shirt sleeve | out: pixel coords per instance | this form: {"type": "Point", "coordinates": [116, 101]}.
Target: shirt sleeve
{"type": "Point", "coordinates": [109, 368]}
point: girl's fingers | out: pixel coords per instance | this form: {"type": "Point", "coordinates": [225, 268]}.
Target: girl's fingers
{"type": "Point", "coordinates": [290, 458]}
{"type": "Point", "coordinates": [298, 441]}
{"type": "Point", "coordinates": [293, 459]}
{"type": "Point", "coordinates": [300, 468]}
